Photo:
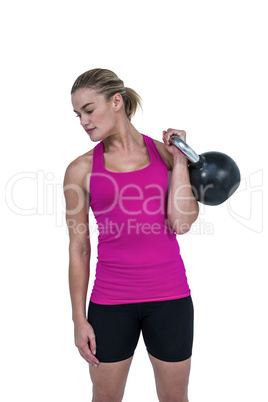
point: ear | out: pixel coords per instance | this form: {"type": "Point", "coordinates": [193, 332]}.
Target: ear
{"type": "Point", "coordinates": [118, 102]}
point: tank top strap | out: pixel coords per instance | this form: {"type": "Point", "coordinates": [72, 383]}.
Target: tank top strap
{"type": "Point", "coordinates": [153, 151]}
{"type": "Point", "coordinates": [97, 157]}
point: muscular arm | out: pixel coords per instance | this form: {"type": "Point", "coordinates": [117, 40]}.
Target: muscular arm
{"type": "Point", "coordinates": [182, 208]}
{"type": "Point", "coordinates": [77, 205]}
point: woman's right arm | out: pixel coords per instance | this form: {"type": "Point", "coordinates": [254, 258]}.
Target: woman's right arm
{"type": "Point", "coordinates": [77, 206]}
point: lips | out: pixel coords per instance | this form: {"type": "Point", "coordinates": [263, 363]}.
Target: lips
{"type": "Point", "coordinates": [89, 130]}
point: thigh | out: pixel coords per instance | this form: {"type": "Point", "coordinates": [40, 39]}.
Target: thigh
{"type": "Point", "coordinates": [117, 331]}
{"type": "Point", "coordinates": [171, 379]}
{"type": "Point", "coordinates": [168, 330]}
{"type": "Point", "coordinates": [109, 380]}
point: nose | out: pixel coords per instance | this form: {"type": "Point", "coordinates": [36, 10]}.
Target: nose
{"type": "Point", "coordinates": [84, 120]}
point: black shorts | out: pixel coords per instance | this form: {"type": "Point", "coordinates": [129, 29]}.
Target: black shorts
{"type": "Point", "coordinates": [167, 329]}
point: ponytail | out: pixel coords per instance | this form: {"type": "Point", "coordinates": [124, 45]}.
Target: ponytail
{"type": "Point", "coordinates": [132, 100]}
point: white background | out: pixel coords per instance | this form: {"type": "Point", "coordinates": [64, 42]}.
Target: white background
{"type": "Point", "coordinates": [200, 66]}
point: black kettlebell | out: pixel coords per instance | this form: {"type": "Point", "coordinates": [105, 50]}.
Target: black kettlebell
{"type": "Point", "coordinates": [214, 176]}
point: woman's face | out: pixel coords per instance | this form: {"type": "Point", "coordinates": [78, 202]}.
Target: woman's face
{"type": "Point", "coordinates": [97, 116]}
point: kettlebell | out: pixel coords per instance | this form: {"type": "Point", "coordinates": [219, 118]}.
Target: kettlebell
{"type": "Point", "coordinates": [214, 176]}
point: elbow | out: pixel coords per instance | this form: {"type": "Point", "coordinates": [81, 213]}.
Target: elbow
{"type": "Point", "coordinates": [182, 225]}
{"type": "Point", "coordinates": [85, 252]}
{"type": "Point", "coordinates": [182, 229]}
{"type": "Point", "coordinates": [81, 250]}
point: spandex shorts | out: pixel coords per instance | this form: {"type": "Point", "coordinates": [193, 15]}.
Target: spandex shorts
{"type": "Point", "coordinates": [166, 326]}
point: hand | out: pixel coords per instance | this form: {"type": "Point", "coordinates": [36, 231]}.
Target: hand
{"type": "Point", "coordinates": [85, 336]}
{"type": "Point", "coordinates": [169, 146]}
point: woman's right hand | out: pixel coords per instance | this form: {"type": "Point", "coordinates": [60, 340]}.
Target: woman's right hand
{"type": "Point", "coordinates": [84, 336]}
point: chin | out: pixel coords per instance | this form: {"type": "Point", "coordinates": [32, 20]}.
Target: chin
{"type": "Point", "coordinates": [94, 137]}
{"type": "Point", "coordinates": [97, 136]}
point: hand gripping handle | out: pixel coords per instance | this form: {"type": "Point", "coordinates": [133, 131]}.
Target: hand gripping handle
{"type": "Point", "coordinates": [185, 149]}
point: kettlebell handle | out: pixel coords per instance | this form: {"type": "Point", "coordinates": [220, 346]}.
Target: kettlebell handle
{"type": "Point", "coordinates": [185, 149]}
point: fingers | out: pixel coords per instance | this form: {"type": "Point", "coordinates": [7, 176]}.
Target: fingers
{"type": "Point", "coordinates": [167, 134]}
{"type": "Point", "coordinates": [85, 341]}
{"type": "Point", "coordinates": [93, 347]}
{"type": "Point", "coordinates": [87, 355]}
{"type": "Point", "coordinates": [169, 145]}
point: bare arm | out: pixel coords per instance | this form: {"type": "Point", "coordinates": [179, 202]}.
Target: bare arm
{"type": "Point", "coordinates": [182, 208]}
{"type": "Point", "coordinates": [77, 206]}
{"type": "Point", "coordinates": [79, 246]}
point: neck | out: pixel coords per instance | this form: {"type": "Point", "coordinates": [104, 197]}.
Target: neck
{"type": "Point", "coordinates": [125, 139]}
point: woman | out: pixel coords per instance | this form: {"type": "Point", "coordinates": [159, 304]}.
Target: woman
{"type": "Point", "coordinates": [140, 194]}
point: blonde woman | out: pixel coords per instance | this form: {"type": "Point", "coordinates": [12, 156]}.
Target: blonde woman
{"type": "Point", "coordinates": [139, 191]}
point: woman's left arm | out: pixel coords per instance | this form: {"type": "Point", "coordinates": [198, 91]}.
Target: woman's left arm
{"type": "Point", "coordinates": [182, 207]}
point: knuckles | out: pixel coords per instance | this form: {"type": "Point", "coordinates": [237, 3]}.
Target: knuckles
{"type": "Point", "coordinates": [171, 131]}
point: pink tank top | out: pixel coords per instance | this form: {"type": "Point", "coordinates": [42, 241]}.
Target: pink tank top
{"type": "Point", "coordinates": [138, 253]}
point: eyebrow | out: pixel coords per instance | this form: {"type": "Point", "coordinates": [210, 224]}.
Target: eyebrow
{"type": "Point", "coordinates": [83, 107]}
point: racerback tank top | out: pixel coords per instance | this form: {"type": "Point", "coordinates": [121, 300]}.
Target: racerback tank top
{"type": "Point", "coordinates": [138, 253]}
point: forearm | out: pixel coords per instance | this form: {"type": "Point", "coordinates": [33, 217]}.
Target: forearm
{"type": "Point", "coordinates": [78, 283]}
{"type": "Point", "coordinates": [182, 207]}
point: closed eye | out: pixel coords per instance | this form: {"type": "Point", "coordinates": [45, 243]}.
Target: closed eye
{"type": "Point", "coordinates": [87, 111]}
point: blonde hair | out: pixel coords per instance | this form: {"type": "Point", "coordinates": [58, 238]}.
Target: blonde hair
{"type": "Point", "coordinates": [107, 83]}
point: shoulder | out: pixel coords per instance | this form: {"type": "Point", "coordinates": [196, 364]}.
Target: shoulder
{"type": "Point", "coordinates": [166, 156]}
{"type": "Point", "coordinates": [78, 171]}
